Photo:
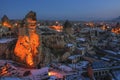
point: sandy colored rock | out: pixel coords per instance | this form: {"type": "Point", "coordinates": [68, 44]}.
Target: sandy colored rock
{"type": "Point", "coordinates": [28, 41]}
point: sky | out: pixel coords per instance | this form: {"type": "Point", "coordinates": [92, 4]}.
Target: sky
{"type": "Point", "coordinates": [61, 9]}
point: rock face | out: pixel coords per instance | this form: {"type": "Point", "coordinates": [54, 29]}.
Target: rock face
{"type": "Point", "coordinates": [48, 56]}
{"type": "Point", "coordinates": [28, 45]}
{"type": "Point", "coordinates": [6, 49]}
{"type": "Point", "coordinates": [54, 41]}
{"type": "Point", "coordinates": [5, 21]}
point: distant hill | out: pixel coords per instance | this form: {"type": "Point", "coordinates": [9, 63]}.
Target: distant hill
{"type": "Point", "coordinates": [116, 19]}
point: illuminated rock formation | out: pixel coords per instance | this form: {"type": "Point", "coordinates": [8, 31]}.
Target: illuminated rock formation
{"type": "Point", "coordinates": [28, 41]}
{"type": "Point", "coordinates": [5, 21]}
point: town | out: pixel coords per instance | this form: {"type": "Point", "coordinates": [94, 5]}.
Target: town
{"type": "Point", "coordinates": [32, 49]}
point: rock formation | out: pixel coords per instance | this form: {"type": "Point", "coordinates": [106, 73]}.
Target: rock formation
{"type": "Point", "coordinates": [28, 49]}
{"type": "Point", "coordinates": [48, 56]}
{"type": "Point", "coordinates": [7, 49]}
{"type": "Point", "coordinates": [6, 22]}
{"type": "Point", "coordinates": [55, 41]}
{"type": "Point", "coordinates": [28, 45]}
{"type": "Point", "coordinates": [67, 28]}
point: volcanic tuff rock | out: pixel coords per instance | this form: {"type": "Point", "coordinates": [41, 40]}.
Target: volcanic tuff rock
{"type": "Point", "coordinates": [28, 45]}
{"type": "Point", "coordinates": [5, 21]}
{"type": "Point", "coordinates": [7, 49]}
{"type": "Point", "coordinates": [54, 41]}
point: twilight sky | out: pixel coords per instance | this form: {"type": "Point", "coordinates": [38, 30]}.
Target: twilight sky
{"type": "Point", "coordinates": [61, 9]}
